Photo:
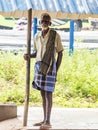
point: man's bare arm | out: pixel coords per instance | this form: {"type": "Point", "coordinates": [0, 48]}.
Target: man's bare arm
{"type": "Point", "coordinates": [59, 60]}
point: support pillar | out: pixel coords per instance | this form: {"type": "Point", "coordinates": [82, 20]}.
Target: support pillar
{"type": "Point", "coordinates": [71, 45]}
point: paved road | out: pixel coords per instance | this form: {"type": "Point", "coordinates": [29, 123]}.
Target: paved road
{"type": "Point", "coordinates": [11, 39]}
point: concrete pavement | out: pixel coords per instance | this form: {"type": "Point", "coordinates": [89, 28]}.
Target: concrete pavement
{"type": "Point", "coordinates": [61, 118]}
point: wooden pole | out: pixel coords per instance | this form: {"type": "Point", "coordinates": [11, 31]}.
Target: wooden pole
{"type": "Point", "coordinates": [26, 105]}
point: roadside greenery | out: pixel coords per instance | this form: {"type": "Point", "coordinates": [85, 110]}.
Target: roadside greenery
{"type": "Point", "coordinates": [8, 22]}
{"type": "Point", "coordinates": [76, 86]}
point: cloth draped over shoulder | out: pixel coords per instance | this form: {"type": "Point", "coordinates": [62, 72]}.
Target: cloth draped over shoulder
{"type": "Point", "coordinates": [48, 58]}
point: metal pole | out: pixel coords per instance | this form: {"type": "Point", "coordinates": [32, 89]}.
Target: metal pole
{"type": "Point", "coordinates": [26, 105]}
{"type": "Point", "coordinates": [71, 46]}
{"type": "Point", "coordinates": [34, 26]}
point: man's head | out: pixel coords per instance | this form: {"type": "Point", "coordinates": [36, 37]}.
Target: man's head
{"type": "Point", "coordinates": [45, 20]}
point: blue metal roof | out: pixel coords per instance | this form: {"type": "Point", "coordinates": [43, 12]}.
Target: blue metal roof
{"type": "Point", "coordinates": [72, 9]}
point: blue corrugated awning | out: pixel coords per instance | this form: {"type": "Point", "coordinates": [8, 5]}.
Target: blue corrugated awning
{"type": "Point", "coordinates": [71, 9]}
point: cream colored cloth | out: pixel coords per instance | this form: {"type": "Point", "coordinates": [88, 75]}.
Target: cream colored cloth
{"type": "Point", "coordinates": [40, 44]}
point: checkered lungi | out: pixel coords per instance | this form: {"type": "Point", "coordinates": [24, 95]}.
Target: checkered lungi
{"type": "Point", "coordinates": [44, 82]}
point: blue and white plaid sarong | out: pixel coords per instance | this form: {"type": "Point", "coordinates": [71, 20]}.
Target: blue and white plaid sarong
{"type": "Point", "coordinates": [44, 82]}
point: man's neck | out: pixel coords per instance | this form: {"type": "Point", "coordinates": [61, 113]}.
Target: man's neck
{"type": "Point", "coordinates": [44, 31]}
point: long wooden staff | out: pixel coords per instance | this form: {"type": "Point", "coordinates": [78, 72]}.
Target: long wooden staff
{"type": "Point", "coordinates": [26, 105]}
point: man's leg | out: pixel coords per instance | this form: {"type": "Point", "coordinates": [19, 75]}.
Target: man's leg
{"type": "Point", "coordinates": [44, 108]}
{"type": "Point", "coordinates": [48, 96]}
{"type": "Point", "coordinates": [47, 105]}
{"type": "Point", "coordinates": [43, 104]}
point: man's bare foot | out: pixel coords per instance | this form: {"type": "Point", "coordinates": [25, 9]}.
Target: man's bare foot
{"type": "Point", "coordinates": [45, 126]}
{"type": "Point", "coordinates": [38, 123]}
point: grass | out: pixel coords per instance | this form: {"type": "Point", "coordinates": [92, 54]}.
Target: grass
{"type": "Point", "coordinates": [76, 86]}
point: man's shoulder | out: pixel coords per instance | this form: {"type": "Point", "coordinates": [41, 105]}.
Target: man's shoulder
{"type": "Point", "coordinates": [53, 32]}
{"type": "Point", "coordinates": [38, 34]}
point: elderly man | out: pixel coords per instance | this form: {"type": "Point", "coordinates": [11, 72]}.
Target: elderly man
{"type": "Point", "coordinates": [48, 53]}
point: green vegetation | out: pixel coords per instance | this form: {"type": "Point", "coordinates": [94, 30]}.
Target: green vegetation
{"type": "Point", "coordinates": [10, 22]}
{"type": "Point", "coordinates": [76, 86]}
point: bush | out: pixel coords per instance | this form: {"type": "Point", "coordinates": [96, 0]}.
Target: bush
{"type": "Point", "coordinates": [76, 86]}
